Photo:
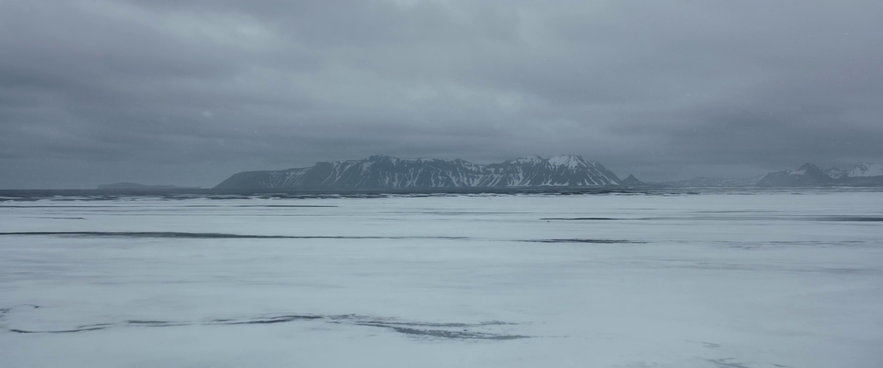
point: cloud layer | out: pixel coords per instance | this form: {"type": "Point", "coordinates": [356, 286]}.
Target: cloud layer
{"type": "Point", "coordinates": [189, 92]}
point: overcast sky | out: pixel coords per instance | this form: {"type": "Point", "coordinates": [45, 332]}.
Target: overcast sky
{"type": "Point", "coordinates": [190, 92]}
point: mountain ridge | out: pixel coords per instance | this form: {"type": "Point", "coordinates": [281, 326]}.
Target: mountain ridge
{"type": "Point", "coordinates": [386, 172]}
{"type": "Point", "coordinates": [807, 175]}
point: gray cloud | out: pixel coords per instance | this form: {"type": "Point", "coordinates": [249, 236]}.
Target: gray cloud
{"type": "Point", "coordinates": [189, 92]}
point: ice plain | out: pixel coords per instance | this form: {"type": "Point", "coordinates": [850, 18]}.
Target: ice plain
{"type": "Point", "coordinates": [716, 279]}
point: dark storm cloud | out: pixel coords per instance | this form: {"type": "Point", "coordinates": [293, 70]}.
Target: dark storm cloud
{"type": "Point", "coordinates": [188, 92]}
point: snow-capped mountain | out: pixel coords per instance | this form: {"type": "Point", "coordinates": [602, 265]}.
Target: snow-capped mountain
{"type": "Point", "coordinates": [384, 172]}
{"type": "Point", "coordinates": [632, 181]}
{"type": "Point", "coordinates": [863, 170]}
{"type": "Point", "coordinates": [705, 182]}
{"type": "Point", "coordinates": [809, 175]}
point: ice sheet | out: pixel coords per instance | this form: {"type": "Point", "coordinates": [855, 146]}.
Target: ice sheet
{"type": "Point", "coordinates": [711, 280]}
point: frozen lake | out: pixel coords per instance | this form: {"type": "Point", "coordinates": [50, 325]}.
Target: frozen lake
{"type": "Point", "coordinates": [718, 280]}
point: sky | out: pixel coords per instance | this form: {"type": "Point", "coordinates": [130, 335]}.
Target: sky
{"type": "Point", "coordinates": [191, 92]}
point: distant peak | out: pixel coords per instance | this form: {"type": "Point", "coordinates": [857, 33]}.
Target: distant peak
{"type": "Point", "coordinates": [866, 165]}
{"type": "Point", "coordinates": [808, 166]}
{"type": "Point", "coordinates": [866, 169]}
{"type": "Point", "coordinates": [809, 170]}
{"type": "Point", "coordinates": [631, 180]}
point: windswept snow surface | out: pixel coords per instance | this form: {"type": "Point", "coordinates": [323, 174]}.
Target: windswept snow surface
{"type": "Point", "coordinates": [717, 279]}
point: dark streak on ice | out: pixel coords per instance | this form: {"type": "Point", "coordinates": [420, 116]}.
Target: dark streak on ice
{"type": "Point", "coordinates": [95, 328]}
{"type": "Point", "coordinates": [430, 324]}
{"type": "Point", "coordinates": [852, 218]}
{"type": "Point", "coordinates": [261, 206]}
{"type": "Point", "coordinates": [591, 241]}
{"type": "Point", "coordinates": [285, 205]}
{"type": "Point", "coordinates": [187, 206]}
{"type": "Point", "coordinates": [447, 334]}
{"type": "Point", "coordinates": [154, 323]}
{"type": "Point", "coordinates": [726, 218]}
{"type": "Point", "coordinates": [164, 234]}
{"type": "Point", "coordinates": [583, 219]}
{"type": "Point", "coordinates": [56, 206]}
{"type": "Point", "coordinates": [276, 319]}
{"type": "Point", "coordinates": [461, 331]}
{"type": "Point", "coordinates": [706, 344]}
{"type": "Point", "coordinates": [4, 311]}
{"type": "Point", "coordinates": [727, 363]}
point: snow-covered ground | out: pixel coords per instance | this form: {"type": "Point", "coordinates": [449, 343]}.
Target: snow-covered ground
{"type": "Point", "coordinates": [711, 280]}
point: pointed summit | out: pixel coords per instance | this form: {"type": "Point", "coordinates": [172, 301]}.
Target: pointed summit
{"type": "Point", "coordinates": [807, 175]}
{"type": "Point", "coordinates": [808, 168]}
{"type": "Point", "coordinates": [632, 181]}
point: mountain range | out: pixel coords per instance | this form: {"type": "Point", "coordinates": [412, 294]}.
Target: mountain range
{"type": "Point", "coordinates": [807, 175]}
{"type": "Point", "coordinates": [385, 172]}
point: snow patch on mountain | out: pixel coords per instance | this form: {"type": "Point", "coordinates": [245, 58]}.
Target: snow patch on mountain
{"type": "Point", "coordinates": [568, 161]}
{"type": "Point", "coordinates": [864, 169]}
{"type": "Point", "coordinates": [835, 173]}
